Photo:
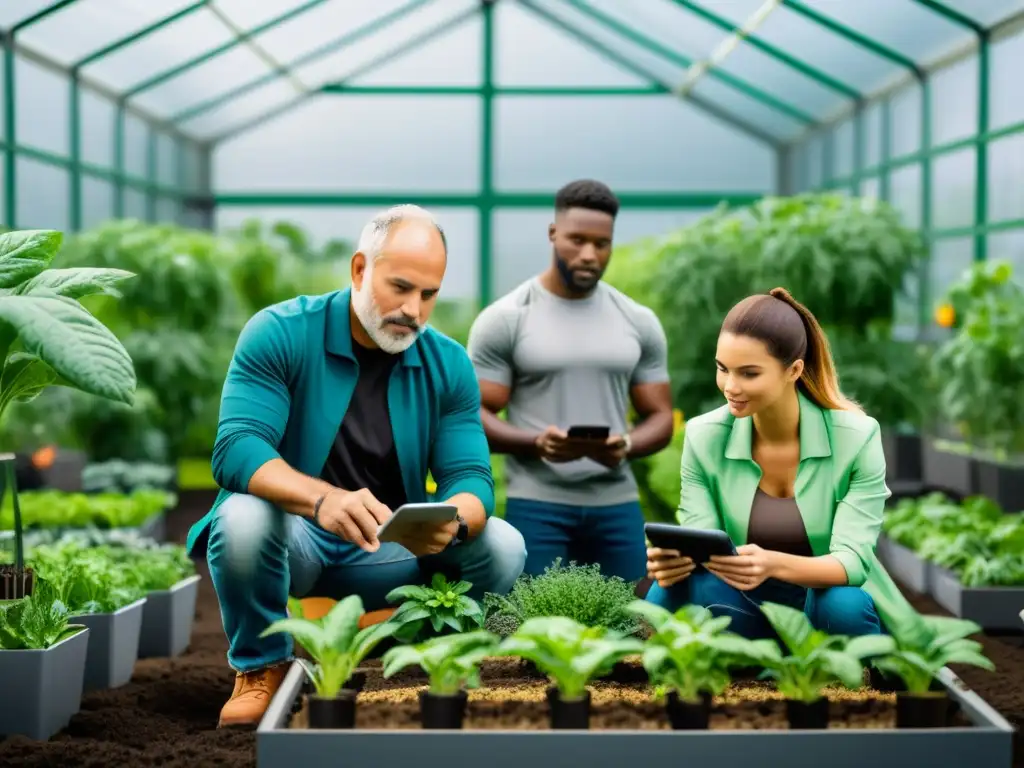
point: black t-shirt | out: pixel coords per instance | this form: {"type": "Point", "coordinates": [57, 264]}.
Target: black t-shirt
{"type": "Point", "coordinates": [363, 455]}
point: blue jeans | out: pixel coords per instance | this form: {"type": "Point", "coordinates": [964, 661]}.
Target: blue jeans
{"type": "Point", "coordinates": [611, 536]}
{"type": "Point", "coordinates": [259, 555]}
{"type": "Point", "coordinates": [837, 610]}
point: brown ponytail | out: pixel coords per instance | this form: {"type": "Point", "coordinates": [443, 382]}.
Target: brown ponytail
{"type": "Point", "coordinates": [792, 333]}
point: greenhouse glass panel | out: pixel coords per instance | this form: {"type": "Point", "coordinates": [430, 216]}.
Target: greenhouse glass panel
{"type": "Point", "coordinates": [159, 52]}
{"type": "Point", "coordinates": [907, 309]}
{"type": "Point", "coordinates": [3, 189]}
{"type": "Point", "coordinates": [870, 187]}
{"type": "Point", "coordinates": [955, 101]}
{"type": "Point", "coordinates": [951, 258]}
{"type": "Point", "coordinates": [540, 146]}
{"type": "Point", "coordinates": [753, 112]}
{"type": "Point", "coordinates": [192, 173]}
{"type": "Point", "coordinates": [987, 12]}
{"type": "Point", "coordinates": [97, 201]}
{"type": "Point", "coordinates": [905, 122]}
{"type": "Point", "coordinates": [1008, 246]}
{"type": "Point", "coordinates": [905, 194]}
{"type": "Point", "coordinates": [786, 29]}
{"type": "Point", "coordinates": [843, 148]}
{"type": "Point", "coordinates": [12, 12]}
{"type": "Point", "coordinates": [268, 99]}
{"type": "Point", "coordinates": [320, 146]}
{"type": "Point", "coordinates": [3, 86]}
{"type": "Point", "coordinates": [872, 122]}
{"type": "Point", "coordinates": [168, 210]}
{"type": "Point", "coordinates": [87, 26]}
{"type": "Point", "coordinates": [135, 206]}
{"type": "Point", "coordinates": [953, 183]}
{"type": "Point", "coordinates": [136, 147]}
{"type": "Point", "coordinates": [41, 112]}
{"type": "Point", "coordinates": [98, 118]}
{"type": "Point", "coordinates": [166, 160]}
{"type": "Point", "coordinates": [1005, 172]}
{"type": "Point", "coordinates": [1006, 62]}
{"type": "Point", "coordinates": [42, 196]}
{"type": "Point", "coordinates": [452, 59]}
{"type": "Point", "coordinates": [253, 13]}
{"type": "Point", "coordinates": [814, 148]}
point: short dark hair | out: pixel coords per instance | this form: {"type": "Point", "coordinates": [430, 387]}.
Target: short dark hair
{"type": "Point", "coordinates": [589, 194]}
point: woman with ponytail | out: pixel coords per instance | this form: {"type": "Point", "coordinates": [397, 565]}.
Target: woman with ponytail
{"type": "Point", "coordinates": [794, 473]}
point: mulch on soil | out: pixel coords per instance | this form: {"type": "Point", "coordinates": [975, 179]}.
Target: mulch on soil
{"type": "Point", "coordinates": [167, 715]}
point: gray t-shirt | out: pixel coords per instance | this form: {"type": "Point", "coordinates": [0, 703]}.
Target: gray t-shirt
{"type": "Point", "coordinates": [568, 362]}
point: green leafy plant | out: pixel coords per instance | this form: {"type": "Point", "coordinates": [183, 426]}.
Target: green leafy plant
{"type": "Point", "coordinates": [917, 660]}
{"type": "Point", "coordinates": [452, 662]}
{"type": "Point", "coordinates": [816, 659]}
{"type": "Point", "coordinates": [60, 509]}
{"type": "Point", "coordinates": [117, 476]}
{"type": "Point", "coordinates": [335, 642]}
{"type": "Point", "coordinates": [690, 651]}
{"type": "Point", "coordinates": [36, 622]}
{"type": "Point", "coordinates": [579, 592]}
{"type": "Point", "coordinates": [442, 605]}
{"type": "Point", "coordinates": [569, 653]}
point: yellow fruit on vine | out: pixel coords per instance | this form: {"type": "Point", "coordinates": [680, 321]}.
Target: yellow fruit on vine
{"type": "Point", "coordinates": [945, 316]}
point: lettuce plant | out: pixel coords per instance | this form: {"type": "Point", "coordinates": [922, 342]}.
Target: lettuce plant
{"type": "Point", "coordinates": [568, 652]}
{"type": "Point", "coordinates": [335, 642]}
{"type": "Point", "coordinates": [452, 662]}
{"type": "Point", "coordinates": [442, 604]}
{"type": "Point", "coordinates": [36, 622]}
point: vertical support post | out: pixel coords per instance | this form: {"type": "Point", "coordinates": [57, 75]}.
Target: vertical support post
{"type": "Point", "coordinates": [925, 271]}
{"type": "Point", "coordinates": [10, 135]}
{"type": "Point", "coordinates": [179, 180]}
{"type": "Point", "coordinates": [981, 151]}
{"type": "Point", "coordinates": [858, 148]}
{"type": "Point", "coordinates": [75, 151]}
{"type": "Point", "coordinates": [485, 287]}
{"type": "Point", "coordinates": [884, 169]}
{"type": "Point", "coordinates": [828, 157]}
{"type": "Point", "coordinates": [152, 172]}
{"type": "Point", "coordinates": [119, 127]}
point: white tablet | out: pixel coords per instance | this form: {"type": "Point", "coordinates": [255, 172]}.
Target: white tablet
{"type": "Point", "coordinates": [409, 515]}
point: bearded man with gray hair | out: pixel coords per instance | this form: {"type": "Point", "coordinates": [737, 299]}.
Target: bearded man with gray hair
{"type": "Point", "coordinates": [334, 410]}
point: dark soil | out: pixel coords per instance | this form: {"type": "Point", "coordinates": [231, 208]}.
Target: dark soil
{"type": "Point", "coordinates": [167, 715]}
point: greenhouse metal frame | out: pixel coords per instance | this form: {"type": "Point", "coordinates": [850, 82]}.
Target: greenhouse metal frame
{"type": "Point", "coordinates": [831, 151]}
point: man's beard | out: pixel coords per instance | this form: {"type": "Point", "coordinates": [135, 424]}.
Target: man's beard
{"type": "Point", "coordinates": [575, 281]}
{"type": "Point", "coordinates": [376, 325]}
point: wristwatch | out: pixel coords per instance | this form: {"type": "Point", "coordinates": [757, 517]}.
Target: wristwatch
{"type": "Point", "coordinates": [461, 534]}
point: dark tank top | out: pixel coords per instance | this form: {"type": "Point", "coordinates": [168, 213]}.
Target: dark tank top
{"type": "Point", "coordinates": [776, 524]}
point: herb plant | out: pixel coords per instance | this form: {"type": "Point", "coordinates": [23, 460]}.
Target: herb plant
{"type": "Point", "coordinates": [816, 659]}
{"type": "Point", "coordinates": [452, 662]}
{"type": "Point", "coordinates": [568, 652]}
{"type": "Point", "coordinates": [579, 592]}
{"type": "Point", "coordinates": [442, 604]}
{"type": "Point", "coordinates": [917, 660]}
{"type": "Point", "coordinates": [36, 622]}
{"type": "Point", "coordinates": [335, 642]}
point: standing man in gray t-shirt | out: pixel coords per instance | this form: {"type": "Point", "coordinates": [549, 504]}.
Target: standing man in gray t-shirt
{"type": "Point", "coordinates": [562, 350]}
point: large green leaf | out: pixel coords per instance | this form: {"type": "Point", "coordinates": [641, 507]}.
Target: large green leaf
{"type": "Point", "coordinates": [79, 348]}
{"type": "Point", "coordinates": [26, 253]}
{"type": "Point", "coordinates": [24, 377]}
{"type": "Point", "coordinates": [76, 282]}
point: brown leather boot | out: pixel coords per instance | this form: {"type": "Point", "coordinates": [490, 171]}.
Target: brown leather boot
{"type": "Point", "coordinates": [251, 697]}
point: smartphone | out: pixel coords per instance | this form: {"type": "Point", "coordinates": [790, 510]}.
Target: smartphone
{"type": "Point", "coordinates": [696, 543]}
{"type": "Point", "coordinates": [589, 433]}
{"type": "Point", "coordinates": [409, 515]}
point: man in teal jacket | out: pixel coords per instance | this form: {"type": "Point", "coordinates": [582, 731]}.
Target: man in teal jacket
{"type": "Point", "coordinates": [334, 410]}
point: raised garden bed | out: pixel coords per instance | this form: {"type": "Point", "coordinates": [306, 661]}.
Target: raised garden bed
{"type": "Point", "coordinates": [167, 619]}
{"type": "Point", "coordinates": [956, 473]}
{"type": "Point", "coordinates": [994, 608]}
{"type": "Point", "coordinates": [113, 645]}
{"type": "Point", "coordinates": [903, 457]}
{"type": "Point", "coordinates": [903, 564]}
{"type": "Point", "coordinates": [507, 720]}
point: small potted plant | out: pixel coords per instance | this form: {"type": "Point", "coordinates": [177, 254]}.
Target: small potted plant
{"type": "Point", "coordinates": [571, 655]}
{"type": "Point", "coordinates": [689, 655]}
{"type": "Point", "coordinates": [452, 663]}
{"type": "Point", "coordinates": [816, 660]}
{"type": "Point", "coordinates": [442, 606]}
{"type": "Point", "coordinates": [337, 646]}
{"type": "Point", "coordinates": [916, 660]}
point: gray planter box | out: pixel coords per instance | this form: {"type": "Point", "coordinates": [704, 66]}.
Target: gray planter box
{"type": "Point", "coordinates": [902, 457]}
{"type": "Point", "coordinates": [903, 564]}
{"type": "Point", "coordinates": [987, 742]}
{"type": "Point", "coordinates": [113, 645]}
{"type": "Point", "coordinates": [994, 608]}
{"type": "Point", "coordinates": [155, 527]}
{"type": "Point", "coordinates": [1003, 483]}
{"type": "Point", "coordinates": [42, 690]}
{"type": "Point", "coordinates": [955, 473]}
{"type": "Point", "coordinates": [167, 619]}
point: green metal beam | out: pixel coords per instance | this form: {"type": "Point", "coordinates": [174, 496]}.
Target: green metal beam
{"type": "Point", "coordinates": [75, 152]}
{"type": "Point", "coordinates": [981, 153]}
{"type": "Point", "coordinates": [820, 77]}
{"type": "Point", "coordinates": [748, 90]}
{"type": "Point", "coordinates": [341, 89]}
{"type": "Point", "coordinates": [438, 30]}
{"type": "Point", "coordinates": [40, 15]}
{"type": "Point", "coordinates": [487, 194]}
{"type": "Point", "coordinates": [136, 36]}
{"type": "Point", "coordinates": [10, 136]}
{"type": "Point", "coordinates": [612, 55]}
{"type": "Point", "coordinates": [952, 15]}
{"type": "Point", "coordinates": [855, 37]}
{"type": "Point", "coordinates": [166, 75]}
{"type": "Point", "coordinates": [349, 38]}
{"type": "Point", "coordinates": [640, 200]}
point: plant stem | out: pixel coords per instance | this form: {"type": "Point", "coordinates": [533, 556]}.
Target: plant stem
{"type": "Point", "coordinates": [19, 535]}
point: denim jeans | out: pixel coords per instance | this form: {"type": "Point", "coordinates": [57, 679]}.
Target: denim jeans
{"type": "Point", "coordinates": [610, 536]}
{"type": "Point", "coordinates": [259, 555]}
{"type": "Point", "coordinates": [837, 610]}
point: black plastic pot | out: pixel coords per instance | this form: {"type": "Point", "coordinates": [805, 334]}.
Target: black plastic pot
{"type": "Point", "coordinates": [688, 715]}
{"type": "Point", "coordinates": [804, 715]}
{"type": "Point", "coordinates": [1002, 483]}
{"type": "Point", "coordinates": [355, 682]}
{"type": "Point", "coordinates": [930, 710]}
{"type": "Point", "coordinates": [437, 711]}
{"type": "Point", "coordinates": [332, 711]}
{"type": "Point", "coordinates": [569, 715]}
{"type": "Point", "coordinates": [903, 457]}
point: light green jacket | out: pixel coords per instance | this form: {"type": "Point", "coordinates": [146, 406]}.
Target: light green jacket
{"type": "Point", "coordinates": [840, 490]}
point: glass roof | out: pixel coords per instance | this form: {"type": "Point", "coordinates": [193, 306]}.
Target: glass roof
{"type": "Point", "coordinates": [217, 67]}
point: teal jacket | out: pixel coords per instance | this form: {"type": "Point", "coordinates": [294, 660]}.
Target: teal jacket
{"type": "Point", "coordinates": [840, 490]}
{"type": "Point", "coordinates": [289, 385]}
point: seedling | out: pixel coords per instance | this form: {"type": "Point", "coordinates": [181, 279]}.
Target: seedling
{"type": "Point", "coordinates": [568, 652]}
{"type": "Point", "coordinates": [442, 604]}
{"type": "Point", "coordinates": [335, 642]}
{"type": "Point", "coordinates": [452, 662]}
